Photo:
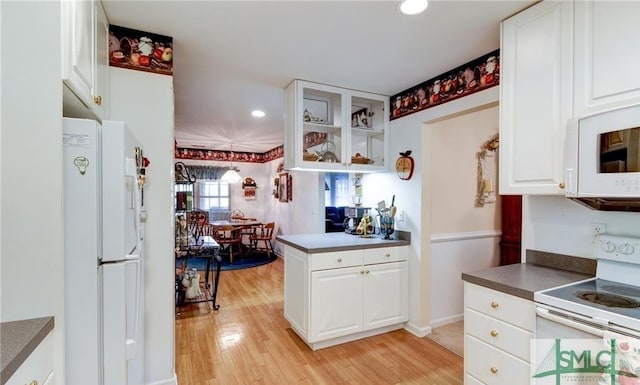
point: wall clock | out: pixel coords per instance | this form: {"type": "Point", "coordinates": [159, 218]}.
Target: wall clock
{"type": "Point", "coordinates": [404, 165]}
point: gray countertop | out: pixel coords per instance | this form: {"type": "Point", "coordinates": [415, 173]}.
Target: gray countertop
{"type": "Point", "coordinates": [328, 242]}
{"type": "Point", "coordinates": [523, 279]}
{"type": "Point", "coordinates": [17, 340]}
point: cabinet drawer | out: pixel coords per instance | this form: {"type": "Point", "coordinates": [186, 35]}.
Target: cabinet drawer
{"type": "Point", "coordinates": [37, 367]}
{"type": "Point", "coordinates": [499, 334]}
{"type": "Point", "coordinates": [336, 260]}
{"type": "Point", "coordinates": [505, 307]}
{"type": "Point", "coordinates": [493, 366]}
{"type": "Point", "coordinates": [385, 254]}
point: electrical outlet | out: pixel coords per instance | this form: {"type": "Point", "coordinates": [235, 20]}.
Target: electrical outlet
{"type": "Point", "coordinates": [597, 229]}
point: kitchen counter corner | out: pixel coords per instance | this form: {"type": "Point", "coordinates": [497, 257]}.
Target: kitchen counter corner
{"type": "Point", "coordinates": [330, 242]}
{"type": "Point", "coordinates": [17, 340]}
{"type": "Point", "coordinates": [523, 279]}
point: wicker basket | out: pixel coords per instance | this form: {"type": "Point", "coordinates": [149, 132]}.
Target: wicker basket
{"type": "Point", "coordinates": [360, 160]}
{"type": "Point", "coordinates": [309, 156]}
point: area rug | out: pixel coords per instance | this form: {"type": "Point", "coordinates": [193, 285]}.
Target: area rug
{"type": "Point", "coordinates": [246, 261]}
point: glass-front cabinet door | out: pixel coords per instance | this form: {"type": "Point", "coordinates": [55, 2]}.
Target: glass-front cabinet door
{"type": "Point", "coordinates": [334, 129]}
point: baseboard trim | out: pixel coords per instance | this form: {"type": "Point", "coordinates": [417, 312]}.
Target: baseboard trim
{"type": "Point", "coordinates": [417, 331]}
{"type": "Point", "coordinates": [446, 320]}
{"type": "Point", "coordinates": [170, 381]}
{"type": "Point", "coordinates": [450, 237]}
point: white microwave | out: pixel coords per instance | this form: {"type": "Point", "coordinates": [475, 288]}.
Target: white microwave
{"type": "Point", "coordinates": [602, 159]}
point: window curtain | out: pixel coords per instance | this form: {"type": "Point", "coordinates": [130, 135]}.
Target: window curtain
{"type": "Point", "coordinates": [207, 172]}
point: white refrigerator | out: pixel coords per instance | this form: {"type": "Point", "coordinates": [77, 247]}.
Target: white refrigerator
{"type": "Point", "coordinates": [104, 172]}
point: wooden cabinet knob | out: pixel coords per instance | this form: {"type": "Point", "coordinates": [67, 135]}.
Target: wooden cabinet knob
{"type": "Point", "coordinates": [495, 305]}
{"type": "Point", "coordinates": [97, 100]}
{"type": "Point", "coordinates": [561, 185]}
{"type": "Point", "coordinates": [493, 370]}
{"type": "Point", "coordinates": [494, 333]}
{"type": "Point", "coordinates": [339, 259]}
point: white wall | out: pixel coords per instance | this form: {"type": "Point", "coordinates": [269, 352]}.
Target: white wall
{"type": "Point", "coordinates": [32, 252]}
{"type": "Point", "coordinates": [559, 225]}
{"type": "Point", "coordinates": [414, 198]}
{"type": "Point", "coordinates": [145, 102]}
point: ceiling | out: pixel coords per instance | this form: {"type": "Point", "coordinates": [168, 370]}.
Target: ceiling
{"type": "Point", "coordinates": [231, 57]}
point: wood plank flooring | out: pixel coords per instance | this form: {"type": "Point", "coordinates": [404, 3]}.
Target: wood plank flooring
{"type": "Point", "coordinates": [248, 341]}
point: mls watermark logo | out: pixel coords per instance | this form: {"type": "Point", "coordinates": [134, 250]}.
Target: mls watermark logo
{"type": "Point", "coordinates": [606, 361]}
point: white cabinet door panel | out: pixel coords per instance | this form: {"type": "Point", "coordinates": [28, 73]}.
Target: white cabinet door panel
{"type": "Point", "coordinates": [606, 54]}
{"type": "Point", "coordinates": [385, 294]}
{"type": "Point", "coordinates": [535, 98]}
{"type": "Point", "coordinates": [336, 303]}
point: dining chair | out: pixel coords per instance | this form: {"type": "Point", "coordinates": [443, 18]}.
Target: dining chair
{"type": "Point", "coordinates": [228, 237]}
{"type": "Point", "coordinates": [263, 233]}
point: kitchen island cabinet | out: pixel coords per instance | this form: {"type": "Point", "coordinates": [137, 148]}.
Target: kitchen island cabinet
{"type": "Point", "coordinates": [340, 287]}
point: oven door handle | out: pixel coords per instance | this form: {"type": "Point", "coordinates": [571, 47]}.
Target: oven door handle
{"type": "Point", "coordinates": [544, 313]}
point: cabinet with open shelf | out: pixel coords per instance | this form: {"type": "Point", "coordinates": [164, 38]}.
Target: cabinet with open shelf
{"type": "Point", "coordinates": [329, 128]}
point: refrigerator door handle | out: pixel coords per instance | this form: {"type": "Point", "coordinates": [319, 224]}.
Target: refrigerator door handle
{"type": "Point", "coordinates": [133, 334]}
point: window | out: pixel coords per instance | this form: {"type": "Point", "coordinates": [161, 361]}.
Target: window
{"type": "Point", "coordinates": [338, 193]}
{"type": "Point", "coordinates": [210, 195]}
{"type": "Point", "coordinates": [213, 196]}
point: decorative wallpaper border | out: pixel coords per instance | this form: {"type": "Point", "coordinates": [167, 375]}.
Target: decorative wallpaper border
{"type": "Point", "coordinates": [476, 75]}
{"type": "Point", "coordinates": [235, 156]}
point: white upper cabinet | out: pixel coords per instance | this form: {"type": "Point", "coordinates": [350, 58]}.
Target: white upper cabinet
{"type": "Point", "coordinates": [535, 98]}
{"type": "Point", "coordinates": [85, 47]}
{"type": "Point", "coordinates": [335, 129]}
{"type": "Point", "coordinates": [606, 54]}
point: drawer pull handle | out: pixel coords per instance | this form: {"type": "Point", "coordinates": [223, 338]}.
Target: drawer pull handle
{"type": "Point", "coordinates": [366, 271]}
{"type": "Point", "coordinates": [339, 259]}
{"type": "Point", "coordinates": [97, 100]}
{"type": "Point", "coordinates": [561, 185]}
{"type": "Point", "coordinates": [387, 255]}
{"type": "Point", "coordinates": [494, 333]}
{"type": "Point", "coordinates": [494, 304]}
{"type": "Point", "coordinates": [493, 370]}
{"type": "Point", "coordinates": [361, 271]}
{"type": "Point", "coordinates": [34, 382]}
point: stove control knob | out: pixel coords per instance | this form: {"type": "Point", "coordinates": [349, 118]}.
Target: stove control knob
{"type": "Point", "coordinates": [627, 248]}
{"type": "Point", "coordinates": [608, 247]}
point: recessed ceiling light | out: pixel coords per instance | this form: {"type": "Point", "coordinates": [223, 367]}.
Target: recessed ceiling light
{"type": "Point", "coordinates": [257, 113]}
{"type": "Point", "coordinates": [413, 7]}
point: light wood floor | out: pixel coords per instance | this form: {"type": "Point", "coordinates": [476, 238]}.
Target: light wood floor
{"type": "Point", "coordinates": [248, 341]}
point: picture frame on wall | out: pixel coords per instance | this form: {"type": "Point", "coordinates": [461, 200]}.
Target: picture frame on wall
{"type": "Point", "coordinates": [283, 187]}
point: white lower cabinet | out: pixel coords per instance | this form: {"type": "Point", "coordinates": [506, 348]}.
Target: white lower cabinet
{"type": "Point", "coordinates": [498, 331]}
{"type": "Point", "coordinates": [37, 369]}
{"type": "Point", "coordinates": [335, 297]}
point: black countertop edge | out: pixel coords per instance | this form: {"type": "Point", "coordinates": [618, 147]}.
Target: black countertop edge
{"type": "Point", "coordinates": [562, 262]}
{"type": "Point", "coordinates": [18, 339]}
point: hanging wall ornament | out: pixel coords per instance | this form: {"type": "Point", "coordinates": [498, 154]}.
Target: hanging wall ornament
{"type": "Point", "coordinates": [405, 165]}
{"type": "Point", "coordinates": [486, 171]}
